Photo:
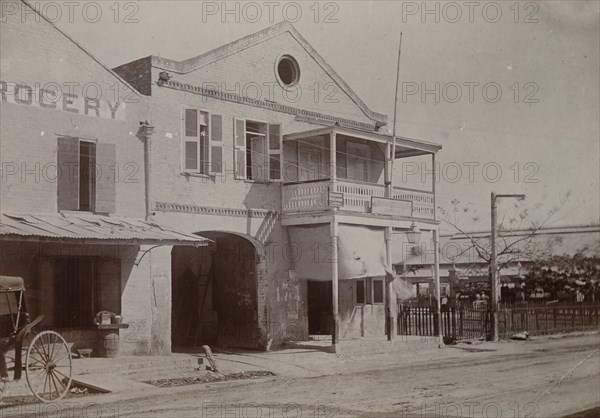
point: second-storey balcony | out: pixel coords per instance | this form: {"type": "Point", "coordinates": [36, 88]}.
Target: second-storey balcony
{"type": "Point", "coordinates": [340, 168]}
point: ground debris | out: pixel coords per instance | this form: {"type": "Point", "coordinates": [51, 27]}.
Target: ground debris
{"type": "Point", "coordinates": [208, 378]}
{"type": "Point", "coordinates": [520, 336]}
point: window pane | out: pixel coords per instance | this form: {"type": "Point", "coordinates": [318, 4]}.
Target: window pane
{"type": "Point", "coordinates": [377, 291]}
{"type": "Point", "coordinates": [203, 150]}
{"type": "Point", "coordinates": [191, 155]}
{"type": "Point", "coordinates": [274, 168]}
{"type": "Point", "coordinates": [217, 159]}
{"type": "Point", "coordinates": [216, 126]}
{"type": "Point", "coordinates": [274, 143]}
{"type": "Point", "coordinates": [240, 133]}
{"type": "Point", "coordinates": [240, 159]}
{"type": "Point", "coordinates": [87, 175]}
{"type": "Point", "coordinates": [360, 292]}
{"type": "Point", "coordinates": [191, 122]}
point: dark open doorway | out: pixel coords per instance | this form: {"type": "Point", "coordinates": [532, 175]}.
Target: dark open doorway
{"type": "Point", "coordinates": [320, 308]}
{"type": "Point", "coordinates": [215, 299]}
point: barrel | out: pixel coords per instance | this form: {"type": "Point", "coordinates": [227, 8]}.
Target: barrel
{"type": "Point", "coordinates": [110, 344]}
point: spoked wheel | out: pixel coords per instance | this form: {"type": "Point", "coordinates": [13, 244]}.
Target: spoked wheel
{"type": "Point", "coordinates": [48, 366]}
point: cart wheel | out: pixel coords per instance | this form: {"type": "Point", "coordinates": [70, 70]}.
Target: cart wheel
{"type": "Point", "coordinates": [48, 366]}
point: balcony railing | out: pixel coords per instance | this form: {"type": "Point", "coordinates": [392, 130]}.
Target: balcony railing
{"type": "Point", "coordinates": [354, 196]}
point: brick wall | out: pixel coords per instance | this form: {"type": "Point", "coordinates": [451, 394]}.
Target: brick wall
{"type": "Point", "coordinates": [38, 55]}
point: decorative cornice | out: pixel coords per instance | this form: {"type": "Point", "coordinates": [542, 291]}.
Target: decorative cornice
{"type": "Point", "coordinates": [232, 97]}
{"type": "Point", "coordinates": [195, 63]}
{"type": "Point", "coordinates": [206, 210]}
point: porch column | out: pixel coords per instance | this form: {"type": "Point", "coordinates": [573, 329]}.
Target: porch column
{"type": "Point", "coordinates": [390, 302]}
{"type": "Point", "coordinates": [335, 333]}
{"type": "Point", "coordinates": [332, 157]}
{"type": "Point", "coordinates": [438, 293]}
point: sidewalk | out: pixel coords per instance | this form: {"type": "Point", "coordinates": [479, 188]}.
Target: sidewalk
{"type": "Point", "coordinates": [301, 360]}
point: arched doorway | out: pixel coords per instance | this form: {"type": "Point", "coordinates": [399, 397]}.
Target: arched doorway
{"type": "Point", "coordinates": [214, 290]}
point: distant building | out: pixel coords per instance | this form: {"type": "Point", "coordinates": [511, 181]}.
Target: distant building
{"type": "Point", "coordinates": [460, 262]}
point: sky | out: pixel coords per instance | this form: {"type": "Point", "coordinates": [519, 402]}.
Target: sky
{"type": "Point", "coordinates": [513, 86]}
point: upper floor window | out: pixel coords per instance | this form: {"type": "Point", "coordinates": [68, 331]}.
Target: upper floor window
{"type": "Point", "coordinates": [202, 142]}
{"type": "Point", "coordinates": [288, 71]}
{"type": "Point", "coordinates": [85, 175]}
{"type": "Point", "coordinates": [257, 154]}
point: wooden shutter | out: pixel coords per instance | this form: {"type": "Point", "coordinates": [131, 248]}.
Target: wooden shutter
{"type": "Point", "coordinates": [275, 153]}
{"type": "Point", "coordinates": [67, 160]}
{"type": "Point", "coordinates": [190, 147]}
{"type": "Point", "coordinates": [239, 149]}
{"type": "Point", "coordinates": [106, 191]}
{"type": "Point", "coordinates": [216, 144]}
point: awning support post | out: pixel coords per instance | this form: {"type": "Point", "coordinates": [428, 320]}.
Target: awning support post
{"type": "Point", "coordinates": [335, 332]}
{"type": "Point", "coordinates": [390, 302]}
{"type": "Point", "coordinates": [438, 293]}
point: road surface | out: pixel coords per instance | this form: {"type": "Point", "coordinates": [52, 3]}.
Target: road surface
{"type": "Point", "coordinates": [546, 378]}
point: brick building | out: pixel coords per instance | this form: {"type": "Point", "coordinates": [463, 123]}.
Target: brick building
{"type": "Point", "coordinates": [72, 214]}
{"type": "Point", "coordinates": [267, 213]}
{"type": "Point", "coordinates": [289, 184]}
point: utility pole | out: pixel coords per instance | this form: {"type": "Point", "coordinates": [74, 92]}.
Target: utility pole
{"type": "Point", "coordinates": [494, 262]}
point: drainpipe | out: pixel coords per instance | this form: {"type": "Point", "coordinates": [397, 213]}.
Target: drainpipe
{"type": "Point", "coordinates": [146, 131]}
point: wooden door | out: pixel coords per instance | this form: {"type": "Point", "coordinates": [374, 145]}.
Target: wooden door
{"type": "Point", "coordinates": [320, 308]}
{"type": "Point", "coordinates": [310, 163]}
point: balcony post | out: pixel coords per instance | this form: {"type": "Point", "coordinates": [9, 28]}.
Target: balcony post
{"type": "Point", "coordinates": [332, 157]}
{"type": "Point", "coordinates": [335, 332]}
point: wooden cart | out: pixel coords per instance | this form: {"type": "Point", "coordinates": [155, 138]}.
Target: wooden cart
{"type": "Point", "coordinates": [47, 356]}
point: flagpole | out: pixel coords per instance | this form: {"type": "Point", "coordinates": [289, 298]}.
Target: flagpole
{"type": "Point", "coordinates": [393, 151]}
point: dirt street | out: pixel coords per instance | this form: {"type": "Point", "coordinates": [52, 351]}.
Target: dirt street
{"type": "Point", "coordinates": [545, 377]}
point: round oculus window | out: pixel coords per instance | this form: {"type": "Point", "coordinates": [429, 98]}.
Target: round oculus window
{"type": "Point", "coordinates": [288, 71]}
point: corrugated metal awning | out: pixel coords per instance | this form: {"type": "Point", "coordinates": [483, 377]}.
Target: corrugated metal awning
{"type": "Point", "coordinates": [83, 227]}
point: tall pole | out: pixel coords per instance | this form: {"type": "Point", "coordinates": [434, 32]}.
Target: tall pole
{"type": "Point", "coordinates": [494, 261]}
{"type": "Point", "coordinates": [494, 270]}
{"type": "Point", "coordinates": [390, 163]}
{"type": "Point", "coordinates": [389, 193]}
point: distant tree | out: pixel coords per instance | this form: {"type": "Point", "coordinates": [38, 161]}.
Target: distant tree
{"type": "Point", "coordinates": [566, 275]}
{"type": "Point", "coordinates": [509, 251]}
